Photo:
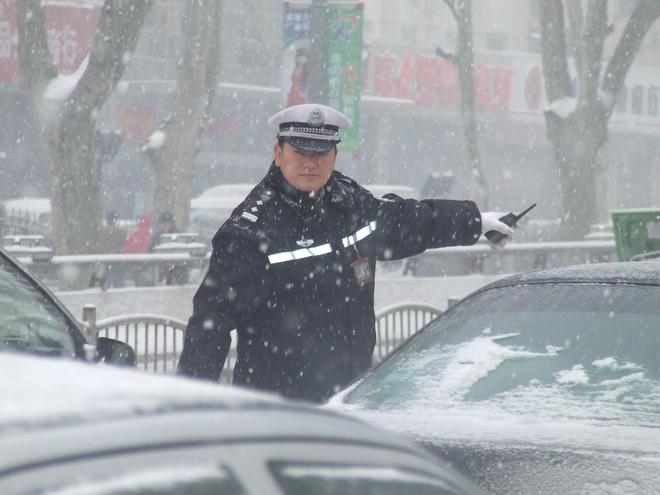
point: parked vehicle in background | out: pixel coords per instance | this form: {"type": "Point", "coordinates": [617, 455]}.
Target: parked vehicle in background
{"type": "Point", "coordinates": [37, 208]}
{"type": "Point", "coordinates": [210, 209]}
{"type": "Point", "coordinates": [70, 428]}
{"type": "Point", "coordinates": [33, 321]}
{"type": "Point", "coordinates": [545, 382]}
{"type": "Point", "coordinates": [380, 190]}
{"type": "Point", "coordinates": [25, 216]}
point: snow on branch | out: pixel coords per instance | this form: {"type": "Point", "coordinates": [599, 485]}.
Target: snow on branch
{"type": "Point", "coordinates": [155, 141]}
{"type": "Point", "coordinates": [63, 85]}
{"type": "Point", "coordinates": [563, 107]}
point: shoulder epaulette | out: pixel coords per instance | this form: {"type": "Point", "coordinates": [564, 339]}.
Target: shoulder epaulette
{"type": "Point", "coordinates": [253, 203]}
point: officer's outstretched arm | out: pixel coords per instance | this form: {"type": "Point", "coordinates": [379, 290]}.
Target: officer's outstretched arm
{"type": "Point", "coordinates": [407, 227]}
{"type": "Point", "coordinates": [236, 284]}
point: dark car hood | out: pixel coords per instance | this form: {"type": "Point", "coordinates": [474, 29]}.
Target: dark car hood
{"type": "Point", "coordinates": [510, 455]}
{"type": "Point", "coordinates": [512, 470]}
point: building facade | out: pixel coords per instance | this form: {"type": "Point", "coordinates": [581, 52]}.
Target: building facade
{"type": "Point", "coordinates": [410, 121]}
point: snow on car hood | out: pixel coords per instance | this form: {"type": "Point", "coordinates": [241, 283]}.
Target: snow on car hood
{"type": "Point", "coordinates": [37, 391]}
{"type": "Point", "coordinates": [569, 410]}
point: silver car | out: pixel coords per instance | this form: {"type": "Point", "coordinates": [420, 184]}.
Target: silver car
{"type": "Point", "coordinates": [542, 383]}
{"type": "Point", "coordinates": [73, 428]}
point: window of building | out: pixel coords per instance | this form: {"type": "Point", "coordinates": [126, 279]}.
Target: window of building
{"type": "Point", "coordinates": [534, 40]}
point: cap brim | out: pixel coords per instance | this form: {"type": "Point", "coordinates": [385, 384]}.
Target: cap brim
{"type": "Point", "coordinates": [313, 145]}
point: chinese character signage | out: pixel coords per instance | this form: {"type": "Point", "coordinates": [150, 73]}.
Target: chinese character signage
{"type": "Point", "coordinates": [70, 30]}
{"type": "Point", "coordinates": [8, 37]}
{"type": "Point", "coordinates": [343, 61]}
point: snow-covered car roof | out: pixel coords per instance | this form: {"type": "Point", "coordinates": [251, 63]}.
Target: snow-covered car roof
{"type": "Point", "coordinates": [642, 272]}
{"type": "Point", "coordinates": [225, 196]}
{"type": "Point", "coordinates": [33, 206]}
{"type": "Point", "coordinates": [43, 393]}
{"type": "Point", "coordinates": [40, 391]}
{"type": "Point", "coordinates": [92, 428]}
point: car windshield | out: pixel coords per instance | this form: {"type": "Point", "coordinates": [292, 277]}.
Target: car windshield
{"type": "Point", "coordinates": [588, 352]}
{"type": "Point", "coordinates": [29, 321]}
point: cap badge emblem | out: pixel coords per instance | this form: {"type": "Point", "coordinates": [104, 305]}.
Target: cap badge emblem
{"type": "Point", "coordinates": [305, 242]}
{"type": "Point", "coordinates": [315, 118]}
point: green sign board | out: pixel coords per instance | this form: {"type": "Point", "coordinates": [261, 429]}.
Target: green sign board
{"type": "Point", "coordinates": [343, 80]}
{"type": "Point", "coordinates": [342, 60]}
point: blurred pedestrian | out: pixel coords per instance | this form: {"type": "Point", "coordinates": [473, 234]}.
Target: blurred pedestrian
{"type": "Point", "coordinates": [138, 242]}
{"type": "Point", "coordinates": [113, 236]}
{"type": "Point", "coordinates": [175, 274]}
{"type": "Point", "coordinates": [164, 225]}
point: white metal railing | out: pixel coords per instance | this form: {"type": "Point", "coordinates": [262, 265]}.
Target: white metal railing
{"type": "Point", "coordinates": [118, 270]}
{"type": "Point", "coordinates": [158, 341]}
{"type": "Point", "coordinates": [515, 257]}
{"type": "Point", "coordinates": [396, 324]}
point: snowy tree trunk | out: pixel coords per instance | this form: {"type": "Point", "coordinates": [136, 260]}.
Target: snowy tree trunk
{"type": "Point", "coordinates": [173, 164]}
{"type": "Point", "coordinates": [577, 159]}
{"type": "Point", "coordinates": [464, 62]}
{"type": "Point", "coordinates": [578, 136]}
{"type": "Point", "coordinates": [70, 126]}
{"type": "Point", "coordinates": [477, 180]}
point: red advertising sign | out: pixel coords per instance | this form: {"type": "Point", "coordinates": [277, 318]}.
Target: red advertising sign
{"type": "Point", "coordinates": [8, 39]}
{"type": "Point", "coordinates": [137, 121]}
{"type": "Point", "coordinates": [70, 30]}
{"type": "Point", "coordinates": [430, 80]}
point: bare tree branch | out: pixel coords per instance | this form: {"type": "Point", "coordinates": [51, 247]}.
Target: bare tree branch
{"type": "Point", "coordinates": [196, 84]}
{"type": "Point", "coordinates": [452, 8]}
{"type": "Point", "coordinates": [645, 13]}
{"type": "Point", "coordinates": [35, 63]}
{"type": "Point", "coordinates": [449, 57]}
{"type": "Point", "coordinates": [593, 39]}
{"type": "Point", "coordinates": [118, 29]}
{"type": "Point", "coordinates": [576, 23]}
{"type": "Point", "coordinates": [553, 41]}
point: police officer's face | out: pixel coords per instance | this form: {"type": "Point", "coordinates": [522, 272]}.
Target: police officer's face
{"type": "Point", "coordinates": [305, 170]}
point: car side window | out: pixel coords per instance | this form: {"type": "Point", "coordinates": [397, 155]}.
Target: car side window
{"type": "Point", "coordinates": [29, 321]}
{"type": "Point", "coordinates": [331, 479]}
{"type": "Point", "coordinates": [171, 480]}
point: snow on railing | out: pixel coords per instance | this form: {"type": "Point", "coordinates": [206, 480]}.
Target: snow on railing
{"type": "Point", "coordinates": [179, 268]}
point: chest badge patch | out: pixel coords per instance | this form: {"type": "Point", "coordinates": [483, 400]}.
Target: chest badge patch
{"type": "Point", "coordinates": [362, 272]}
{"type": "Point", "coordinates": [305, 242]}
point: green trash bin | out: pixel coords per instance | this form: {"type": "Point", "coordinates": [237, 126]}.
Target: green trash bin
{"type": "Point", "coordinates": [636, 231]}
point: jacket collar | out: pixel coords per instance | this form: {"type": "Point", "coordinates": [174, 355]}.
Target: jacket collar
{"type": "Point", "coordinates": [295, 197]}
{"type": "Point", "coordinates": [334, 192]}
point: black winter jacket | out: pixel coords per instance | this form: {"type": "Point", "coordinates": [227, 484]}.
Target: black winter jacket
{"type": "Point", "coordinates": [280, 274]}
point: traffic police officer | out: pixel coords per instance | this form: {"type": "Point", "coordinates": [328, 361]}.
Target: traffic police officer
{"type": "Point", "coordinates": [292, 269]}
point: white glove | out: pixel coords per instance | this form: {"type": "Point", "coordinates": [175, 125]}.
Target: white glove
{"type": "Point", "coordinates": [490, 220]}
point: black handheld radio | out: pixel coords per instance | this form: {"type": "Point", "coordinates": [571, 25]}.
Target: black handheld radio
{"type": "Point", "coordinates": [511, 219]}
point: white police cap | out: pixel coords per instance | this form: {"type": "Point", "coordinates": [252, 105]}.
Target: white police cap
{"type": "Point", "coordinates": [310, 126]}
